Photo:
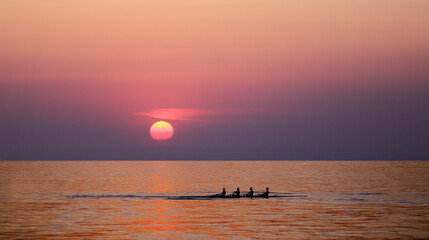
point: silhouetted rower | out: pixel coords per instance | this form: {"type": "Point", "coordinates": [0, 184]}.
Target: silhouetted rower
{"type": "Point", "coordinates": [236, 193]}
{"type": "Point", "coordinates": [223, 193]}
{"type": "Point", "coordinates": [250, 194]}
{"type": "Point", "coordinates": [265, 194]}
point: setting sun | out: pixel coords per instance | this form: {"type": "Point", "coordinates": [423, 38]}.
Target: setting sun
{"type": "Point", "coordinates": [161, 131]}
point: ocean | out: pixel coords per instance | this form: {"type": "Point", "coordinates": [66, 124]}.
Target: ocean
{"type": "Point", "coordinates": [139, 200]}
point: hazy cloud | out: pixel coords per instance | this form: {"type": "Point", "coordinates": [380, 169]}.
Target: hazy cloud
{"type": "Point", "coordinates": [187, 114]}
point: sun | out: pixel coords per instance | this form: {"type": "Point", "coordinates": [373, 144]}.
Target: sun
{"type": "Point", "coordinates": [161, 131]}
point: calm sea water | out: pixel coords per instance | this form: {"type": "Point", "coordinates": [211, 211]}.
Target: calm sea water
{"type": "Point", "coordinates": [129, 200]}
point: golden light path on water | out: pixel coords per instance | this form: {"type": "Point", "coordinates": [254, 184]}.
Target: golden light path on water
{"type": "Point", "coordinates": [359, 200]}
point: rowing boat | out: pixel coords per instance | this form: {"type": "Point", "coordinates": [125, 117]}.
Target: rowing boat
{"type": "Point", "coordinates": [230, 196]}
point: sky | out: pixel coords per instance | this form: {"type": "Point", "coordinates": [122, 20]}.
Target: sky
{"type": "Point", "coordinates": [237, 80]}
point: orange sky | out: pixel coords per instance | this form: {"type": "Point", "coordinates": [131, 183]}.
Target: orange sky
{"type": "Point", "coordinates": [209, 41]}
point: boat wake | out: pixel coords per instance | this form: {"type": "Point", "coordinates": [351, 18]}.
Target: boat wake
{"type": "Point", "coordinates": [360, 197]}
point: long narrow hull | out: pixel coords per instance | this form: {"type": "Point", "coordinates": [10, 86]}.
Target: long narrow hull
{"type": "Point", "coordinates": [229, 197]}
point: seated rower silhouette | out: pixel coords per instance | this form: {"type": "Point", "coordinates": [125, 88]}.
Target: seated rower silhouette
{"type": "Point", "coordinates": [250, 194]}
{"type": "Point", "coordinates": [265, 194]}
{"type": "Point", "coordinates": [222, 194]}
{"type": "Point", "coordinates": [236, 193]}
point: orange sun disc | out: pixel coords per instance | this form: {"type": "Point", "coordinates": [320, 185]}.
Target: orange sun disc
{"type": "Point", "coordinates": [161, 131]}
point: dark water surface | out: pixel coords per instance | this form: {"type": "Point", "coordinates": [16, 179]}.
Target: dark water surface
{"type": "Point", "coordinates": [131, 200]}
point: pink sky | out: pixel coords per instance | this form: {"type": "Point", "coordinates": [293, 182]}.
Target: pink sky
{"type": "Point", "coordinates": [243, 63]}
